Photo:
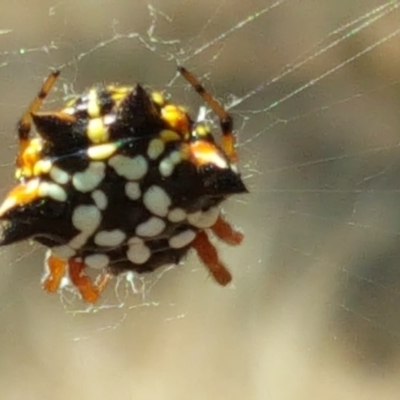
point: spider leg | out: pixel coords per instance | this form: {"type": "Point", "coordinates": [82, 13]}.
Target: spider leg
{"type": "Point", "coordinates": [209, 256]}
{"type": "Point", "coordinates": [89, 291]}
{"type": "Point", "coordinates": [225, 120]}
{"type": "Point", "coordinates": [24, 124]}
{"type": "Point", "coordinates": [57, 269]}
{"type": "Point", "coordinates": [224, 230]}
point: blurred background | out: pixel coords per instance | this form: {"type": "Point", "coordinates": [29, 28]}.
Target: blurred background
{"type": "Point", "coordinates": [313, 311]}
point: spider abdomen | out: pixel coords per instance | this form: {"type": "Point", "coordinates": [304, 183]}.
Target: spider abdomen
{"type": "Point", "coordinates": [119, 180]}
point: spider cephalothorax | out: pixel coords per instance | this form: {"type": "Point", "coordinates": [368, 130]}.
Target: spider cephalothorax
{"type": "Point", "coordinates": [120, 180]}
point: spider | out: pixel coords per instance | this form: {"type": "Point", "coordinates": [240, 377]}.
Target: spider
{"type": "Point", "coordinates": [120, 180]}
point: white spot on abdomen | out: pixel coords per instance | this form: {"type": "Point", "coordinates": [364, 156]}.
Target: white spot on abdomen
{"type": "Point", "coordinates": [63, 251]}
{"type": "Point", "coordinates": [90, 178]}
{"type": "Point", "coordinates": [177, 215]}
{"type": "Point", "coordinates": [166, 167]}
{"type": "Point", "coordinates": [86, 218]}
{"type": "Point", "coordinates": [97, 261]}
{"type": "Point", "coordinates": [59, 176]}
{"type": "Point", "coordinates": [152, 227]}
{"type": "Point", "coordinates": [155, 149]}
{"type": "Point", "coordinates": [156, 200]}
{"type": "Point", "coordinates": [130, 168]}
{"type": "Point", "coordinates": [52, 190]}
{"type": "Point", "coordinates": [109, 238]}
{"type": "Point", "coordinates": [78, 241]}
{"type": "Point", "coordinates": [100, 199]}
{"type": "Point", "coordinates": [138, 252]}
{"type": "Point", "coordinates": [175, 157]}
{"type": "Point", "coordinates": [132, 190]}
{"type": "Point", "coordinates": [182, 239]}
{"type": "Point", "coordinates": [204, 219]}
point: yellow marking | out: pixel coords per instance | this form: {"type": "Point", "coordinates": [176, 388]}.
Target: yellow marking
{"type": "Point", "coordinates": [158, 98]}
{"type": "Point", "coordinates": [119, 93]}
{"type": "Point", "coordinates": [202, 130]}
{"type": "Point", "coordinates": [28, 156]}
{"type": "Point", "coordinates": [169, 136]}
{"type": "Point", "coordinates": [176, 117]}
{"type": "Point", "coordinates": [118, 97]}
{"type": "Point", "coordinates": [97, 131]}
{"type": "Point", "coordinates": [203, 152]}
{"type": "Point", "coordinates": [93, 104]}
{"type": "Point", "coordinates": [42, 167]}
{"type": "Point", "coordinates": [101, 151]}
{"type": "Point", "coordinates": [71, 103]}
{"type": "Point", "coordinates": [118, 89]}
{"type": "Point", "coordinates": [20, 195]}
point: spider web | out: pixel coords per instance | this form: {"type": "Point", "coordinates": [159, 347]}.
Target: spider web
{"type": "Point", "coordinates": [313, 311]}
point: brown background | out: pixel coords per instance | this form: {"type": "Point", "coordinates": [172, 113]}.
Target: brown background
{"type": "Point", "coordinates": [314, 309]}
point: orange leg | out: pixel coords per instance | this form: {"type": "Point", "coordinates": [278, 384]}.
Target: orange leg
{"type": "Point", "coordinates": [228, 144]}
{"type": "Point", "coordinates": [88, 290]}
{"type": "Point", "coordinates": [57, 270]}
{"type": "Point", "coordinates": [223, 230]}
{"type": "Point", "coordinates": [228, 139]}
{"type": "Point", "coordinates": [209, 256]}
